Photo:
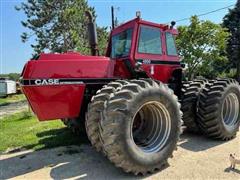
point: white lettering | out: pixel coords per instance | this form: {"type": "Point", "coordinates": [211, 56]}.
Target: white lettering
{"type": "Point", "coordinates": [46, 81]}
{"type": "Point", "coordinates": [56, 81]}
{"type": "Point", "coordinates": [38, 82]}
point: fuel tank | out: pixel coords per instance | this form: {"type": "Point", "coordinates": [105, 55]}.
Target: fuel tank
{"type": "Point", "coordinates": [54, 84]}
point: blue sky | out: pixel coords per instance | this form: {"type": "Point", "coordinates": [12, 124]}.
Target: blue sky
{"type": "Point", "coordinates": [14, 53]}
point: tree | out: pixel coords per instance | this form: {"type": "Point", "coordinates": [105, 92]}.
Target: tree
{"type": "Point", "coordinates": [232, 22]}
{"type": "Point", "coordinates": [11, 76]}
{"type": "Point", "coordinates": [202, 46]}
{"type": "Point", "coordinates": [59, 26]}
{"type": "Point", "coordinates": [103, 37]}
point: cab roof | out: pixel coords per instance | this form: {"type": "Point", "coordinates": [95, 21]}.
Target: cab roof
{"type": "Point", "coordinates": [143, 22]}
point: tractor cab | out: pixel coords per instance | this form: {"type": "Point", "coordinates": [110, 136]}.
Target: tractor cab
{"type": "Point", "coordinates": [146, 47]}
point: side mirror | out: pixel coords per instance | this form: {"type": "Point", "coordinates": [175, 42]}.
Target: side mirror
{"type": "Point", "coordinates": [173, 23]}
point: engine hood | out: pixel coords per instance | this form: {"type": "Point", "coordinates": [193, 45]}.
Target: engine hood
{"type": "Point", "coordinates": [68, 65]}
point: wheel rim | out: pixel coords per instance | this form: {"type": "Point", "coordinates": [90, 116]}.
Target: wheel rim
{"type": "Point", "coordinates": [151, 127]}
{"type": "Point", "coordinates": [230, 110]}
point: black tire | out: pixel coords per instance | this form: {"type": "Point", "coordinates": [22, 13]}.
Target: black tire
{"type": "Point", "coordinates": [95, 107]}
{"type": "Point", "coordinates": [214, 119]}
{"type": "Point", "coordinates": [190, 95]}
{"type": "Point", "coordinates": [123, 138]}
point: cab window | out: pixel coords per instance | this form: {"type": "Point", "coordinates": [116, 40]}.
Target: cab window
{"type": "Point", "coordinates": [171, 47]}
{"type": "Point", "coordinates": [150, 40]}
{"type": "Point", "coordinates": [121, 44]}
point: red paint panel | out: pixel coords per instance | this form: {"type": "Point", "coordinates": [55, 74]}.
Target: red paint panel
{"type": "Point", "coordinates": [161, 72]}
{"type": "Point", "coordinates": [56, 101]}
{"type": "Point", "coordinates": [121, 70]}
{"type": "Point", "coordinates": [69, 69]}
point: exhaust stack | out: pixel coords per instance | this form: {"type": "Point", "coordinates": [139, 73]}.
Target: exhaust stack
{"type": "Point", "coordinates": [92, 34]}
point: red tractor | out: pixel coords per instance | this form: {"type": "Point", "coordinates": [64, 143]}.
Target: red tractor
{"type": "Point", "coordinates": [129, 100]}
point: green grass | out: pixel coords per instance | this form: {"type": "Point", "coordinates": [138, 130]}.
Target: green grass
{"type": "Point", "coordinates": [11, 99]}
{"type": "Point", "coordinates": [22, 130]}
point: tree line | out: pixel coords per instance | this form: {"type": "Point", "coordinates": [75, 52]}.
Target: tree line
{"type": "Point", "coordinates": [211, 50]}
{"type": "Point", "coordinates": [208, 49]}
{"type": "Point", "coordinates": [11, 76]}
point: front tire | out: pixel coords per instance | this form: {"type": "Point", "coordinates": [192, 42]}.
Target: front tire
{"type": "Point", "coordinates": [140, 126]}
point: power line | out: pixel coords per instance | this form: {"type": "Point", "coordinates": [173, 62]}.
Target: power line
{"type": "Point", "coordinates": [204, 14]}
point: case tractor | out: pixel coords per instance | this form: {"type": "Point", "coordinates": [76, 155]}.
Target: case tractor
{"type": "Point", "coordinates": [132, 102]}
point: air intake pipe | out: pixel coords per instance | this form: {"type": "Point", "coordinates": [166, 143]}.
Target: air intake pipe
{"type": "Point", "coordinates": [92, 34]}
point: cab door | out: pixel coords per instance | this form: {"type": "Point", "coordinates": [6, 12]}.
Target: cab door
{"type": "Point", "coordinates": [149, 45]}
{"type": "Point", "coordinates": [154, 52]}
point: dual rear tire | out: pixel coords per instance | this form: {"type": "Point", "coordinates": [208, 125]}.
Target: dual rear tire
{"type": "Point", "coordinates": [212, 107]}
{"type": "Point", "coordinates": [218, 114]}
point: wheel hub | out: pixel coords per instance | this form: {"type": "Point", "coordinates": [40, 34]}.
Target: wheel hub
{"type": "Point", "coordinates": [151, 127]}
{"type": "Point", "coordinates": [230, 110]}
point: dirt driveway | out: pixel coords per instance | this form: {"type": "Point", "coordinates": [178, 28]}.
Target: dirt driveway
{"type": "Point", "coordinates": [196, 158]}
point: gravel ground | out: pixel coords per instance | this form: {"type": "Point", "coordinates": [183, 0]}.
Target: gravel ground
{"type": "Point", "coordinates": [12, 108]}
{"type": "Point", "coordinates": [196, 158]}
